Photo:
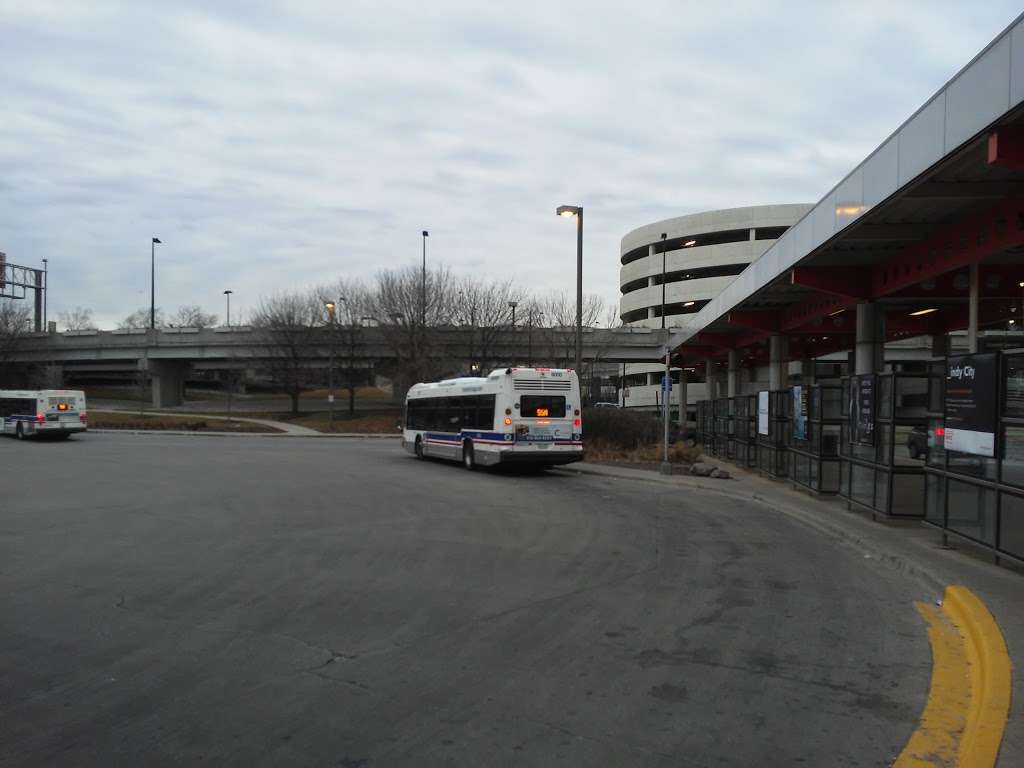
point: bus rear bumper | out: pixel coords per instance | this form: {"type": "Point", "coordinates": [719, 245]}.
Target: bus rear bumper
{"type": "Point", "coordinates": [537, 458]}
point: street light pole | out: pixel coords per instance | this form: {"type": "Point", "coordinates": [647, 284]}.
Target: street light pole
{"type": "Point", "coordinates": [513, 304]}
{"type": "Point", "coordinates": [330, 305]}
{"type": "Point", "coordinates": [152, 283]}
{"type": "Point", "coordinates": [423, 284]}
{"type": "Point", "coordinates": [664, 251]}
{"type": "Point", "coordinates": [666, 391]}
{"type": "Point", "coordinates": [577, 211]}
{"type": "Point", "coordinates": [227, 295]}
{"type": "Point", "coordinates": [46, 292]}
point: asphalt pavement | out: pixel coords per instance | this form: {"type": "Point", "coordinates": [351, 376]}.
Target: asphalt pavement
{"type": "Point", "coordinates": [232, 601]}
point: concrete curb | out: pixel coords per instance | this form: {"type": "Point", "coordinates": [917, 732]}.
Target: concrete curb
{"type": "Point", "coordinates": [990, 672]}
{"type": "Point", "coordinates": [182, 433]}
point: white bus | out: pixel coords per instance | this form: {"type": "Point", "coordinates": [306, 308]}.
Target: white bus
{"type": "Point", "coordinates": [42, 412]}
{"type": "Point", "coordinates": [515, 415]}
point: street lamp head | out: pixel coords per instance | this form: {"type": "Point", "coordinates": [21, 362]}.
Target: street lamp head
{"type": "Point", "coordinates": [228, 292]}
{"type": "Point", "coordinates": [568, 211]}
{"type": "Point", "coordinates": [157, 240]}
{"type": "Point", "coordinates": [329, 305]}
{"type": "Point", "coordinates": [425, 233]}
{"type": "Point", "coordinates": [664, 235]}
{"type": "Point", "coordinates": [513, 304]}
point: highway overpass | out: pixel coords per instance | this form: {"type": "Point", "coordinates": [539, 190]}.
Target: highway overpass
{"type": "Point", "coordinates": [171, 355]}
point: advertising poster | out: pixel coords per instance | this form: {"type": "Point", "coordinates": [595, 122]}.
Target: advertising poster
{"type": "Point", "coordinates": [799, 413]}
{"type": "Point", "coordinates": [865, 408]}
{"type": "Point", "coordinates": [971, 391]}
{"type": "Point", "coordinates": [762, 412]}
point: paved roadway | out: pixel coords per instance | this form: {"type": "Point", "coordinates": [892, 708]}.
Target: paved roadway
{"type": "Point", "coordinates": [240, 601]}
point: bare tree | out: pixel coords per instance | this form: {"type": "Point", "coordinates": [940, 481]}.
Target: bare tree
{"type": "Point", "coordinates": [560, 324]}
{"type": "Point", "coordinates": [611, 319]}
{"type": "Point", "coordinates": [290, 323]}
{"type": "Point", "coordinates": [77, 319]}
{"type": "Point", "coordinates": [192, 316]}
{"type": "Point", "coordinates": [15, 324]}
{"type": "Point", "coordinates": [486, 308]}
{"type": "Point", "coordinates": [399, 307]}
{"type": "Point", "coordinates": [353, 302]}
{"type": "Point", "coordinates": [140, 319]}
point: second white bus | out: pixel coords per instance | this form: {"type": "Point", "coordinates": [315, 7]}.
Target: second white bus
{"type": "Point", "coordinates": [514, 415]}
{"type": "Point", "coordinates": [55, 413]}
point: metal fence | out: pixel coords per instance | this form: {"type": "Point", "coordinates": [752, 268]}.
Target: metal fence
{"type": "Point", "coordinates": [881, 469]}
{"type": "Point", "coordinates": [972, 497]}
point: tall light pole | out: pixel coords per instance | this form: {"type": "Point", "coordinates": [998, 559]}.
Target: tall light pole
{"type": "Point", "coordinates": [569, 211]}
{"type": "Point", "coordinates": [423, 284]}
{"type": "Point", "coordinates": [46, 291]}
{"type": "Point", "coordinates": [664, 251]}
{"type": "Point", "coordinates": [152, 283]}
{"type": "Point", "coordinates": [227, 295]}
{"type": "Point", "coordinates": [330, 306]}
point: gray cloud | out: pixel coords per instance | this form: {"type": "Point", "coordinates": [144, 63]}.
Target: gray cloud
{"type": "Point", "coordinates": [272, 148]}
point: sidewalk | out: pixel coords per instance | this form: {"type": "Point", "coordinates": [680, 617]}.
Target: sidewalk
{"type": "Point", "coordinates": [914, 549]}
{"type": "Point", "coordinates": [306, 434]}
{"type": "Point", "coordinates": [291, 429]}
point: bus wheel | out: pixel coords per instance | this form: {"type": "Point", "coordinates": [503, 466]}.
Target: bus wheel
{"type": "Point", "coordinates": [418, 448]}
{"type": "Point", "coordinates": [19, 432]}
{"type": "Point", "coordinates": [468, 459]}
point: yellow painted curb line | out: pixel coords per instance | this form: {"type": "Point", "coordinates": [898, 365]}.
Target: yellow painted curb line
{"type": "Point", "coordinates": [990, 678]}
{"type": "Point", "coordinates": [969, 697]}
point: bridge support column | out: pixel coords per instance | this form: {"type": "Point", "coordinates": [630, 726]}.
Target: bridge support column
{"type": "Point", "coordinates": [940, 345]}
{"type": "Point", "coordinates": [168, 377]}
{"type": "Point", "coordinates": [870, 347]}
{"type": "Point", "coordinates": [734, 373]}
{"type": "Point", "coordinates": [807, 372]}
{"type": "Point", "coordinates": [778, 351]}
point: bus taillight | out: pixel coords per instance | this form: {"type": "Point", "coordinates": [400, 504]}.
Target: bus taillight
{"type": "Point", "coordinates": [40, 418]}
{"type": "Point", "coordinates": [576, 422]}
{"type": "Point", "coordinates": [83, 416]}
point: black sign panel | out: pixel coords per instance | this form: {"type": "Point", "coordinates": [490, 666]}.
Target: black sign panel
{"type": "Point", "coordinates": [866, 409]}
{"type": "Point", "coordinates": [971, 390]}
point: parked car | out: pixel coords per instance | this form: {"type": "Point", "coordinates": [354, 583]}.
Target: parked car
{"type": "Point", "coordinates": [606, 405]}
{"type": "Point", "coordinates": [917, 442]}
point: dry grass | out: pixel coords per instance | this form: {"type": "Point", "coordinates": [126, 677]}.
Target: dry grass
{"type": "Point", "coordinates": [341, 395]}
{"type": "Point", "coordinates": [678, 453]}
{"type": "Point", "coordinates": [108, 420]}
{"type": "Point", "coordinates": [370, 424]}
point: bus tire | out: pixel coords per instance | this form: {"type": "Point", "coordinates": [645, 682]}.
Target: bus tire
{"type": "Point", "coordinates": [468, 458]}
{"type": "Point", "coordinates": [19, 431]}
{"type": "Point", "coordinates": [418, 448]}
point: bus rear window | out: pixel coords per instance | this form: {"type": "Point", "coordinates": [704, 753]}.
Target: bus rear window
{"type": "Point", "coordinates": [542, 406]}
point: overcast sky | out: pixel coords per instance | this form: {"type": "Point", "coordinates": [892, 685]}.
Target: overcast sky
{"type": "Point", "coordinates": [273, 146]}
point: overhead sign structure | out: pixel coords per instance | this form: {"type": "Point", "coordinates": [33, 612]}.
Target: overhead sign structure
{"type": "Point", "coordinates": [971, 394]}
{"type": "Point", "coordinates": [762, 412]}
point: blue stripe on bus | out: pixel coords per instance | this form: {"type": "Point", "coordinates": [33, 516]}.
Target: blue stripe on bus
{"type": "Point", "coordinates": [457, 437]}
